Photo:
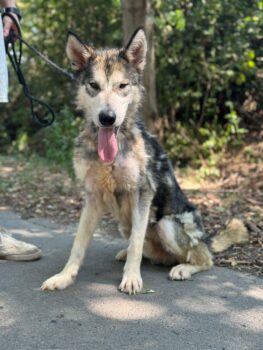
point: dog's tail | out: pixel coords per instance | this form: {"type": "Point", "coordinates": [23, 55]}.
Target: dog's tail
{"type": "Point", "coordinates": [234, 233]}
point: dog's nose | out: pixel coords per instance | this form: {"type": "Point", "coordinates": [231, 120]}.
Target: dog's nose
{"type": "Point", "coordinates": [107, 117]}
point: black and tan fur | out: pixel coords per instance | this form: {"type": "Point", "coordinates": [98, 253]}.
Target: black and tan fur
{"type": "Point", "coordinates": [139, 186]}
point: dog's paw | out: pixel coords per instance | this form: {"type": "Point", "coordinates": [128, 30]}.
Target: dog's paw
{"type": "Point", "coordinates": [59, 281]}
{"type": "Point", "coordinates": [131, 283]}
{"type": "Point", "coordinates": [121, 255]}
{"type": "Point", "coordinates": [180, 272]}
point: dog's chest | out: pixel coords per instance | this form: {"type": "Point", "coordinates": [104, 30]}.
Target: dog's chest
{"type": "Point", "coordinates": [123, 175]}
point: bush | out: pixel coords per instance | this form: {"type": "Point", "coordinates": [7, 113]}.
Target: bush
{"type": "Point", "coordinates": [208, 57]}
{"type": "Point", "coordinates": [53, 144]}
{"type": "Point", "coordinates": [56, 143]}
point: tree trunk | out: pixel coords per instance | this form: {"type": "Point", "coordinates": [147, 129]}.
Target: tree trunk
{"type": "Point", "coordinates": [138, 13]}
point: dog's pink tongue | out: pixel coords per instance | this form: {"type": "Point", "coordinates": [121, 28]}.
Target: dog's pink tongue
{"type": "Point", "coordinates": [107, 145]}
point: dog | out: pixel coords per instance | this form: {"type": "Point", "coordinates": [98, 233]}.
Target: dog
{"type": "Point", "coordinates": [125, 171]}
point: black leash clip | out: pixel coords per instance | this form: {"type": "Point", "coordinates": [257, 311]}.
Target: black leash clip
{"type": "Point", "coordinates": [15, 59]}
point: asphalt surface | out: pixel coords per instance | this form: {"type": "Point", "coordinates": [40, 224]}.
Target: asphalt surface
{"type": "Point", "coordinates": [220, 309]}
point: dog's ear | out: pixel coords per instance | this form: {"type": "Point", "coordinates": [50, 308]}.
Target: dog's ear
{"type": "Point", "coordinates": [77, 52]}
{"type": "Point", "coordinates": [136, 49]}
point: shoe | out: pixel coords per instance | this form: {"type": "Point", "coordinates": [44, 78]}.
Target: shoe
{"type": "Point", "coordinates": [15, 250]}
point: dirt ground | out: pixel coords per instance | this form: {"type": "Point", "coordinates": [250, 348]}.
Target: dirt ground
{"type": "Point", "coordinates": [34, 190]}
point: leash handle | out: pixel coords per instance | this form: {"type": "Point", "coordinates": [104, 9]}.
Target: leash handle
{"type": "Point", "coordinates": [15, 60]}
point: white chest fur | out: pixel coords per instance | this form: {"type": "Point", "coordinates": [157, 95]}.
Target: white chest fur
{"type": "Point", "coordinates": [124, 174]}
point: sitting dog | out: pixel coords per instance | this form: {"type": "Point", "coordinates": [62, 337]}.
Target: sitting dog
{"type": "Point", "coordinates": [125, 171]}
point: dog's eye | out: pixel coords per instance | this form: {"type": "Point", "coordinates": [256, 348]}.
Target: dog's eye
{"type": "Point", "coordinates": [123, 86]}
{"type": "Point", "coordinates": [94, 86]}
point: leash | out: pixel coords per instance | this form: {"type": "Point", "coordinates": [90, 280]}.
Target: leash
{"type": "Point", "coordinates": [15, 59]}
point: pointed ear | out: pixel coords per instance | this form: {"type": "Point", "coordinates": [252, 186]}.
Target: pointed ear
{"type": "Point", "coordinates": [136, 49]}
{"type": "Point", "coordinates": [77, 52]}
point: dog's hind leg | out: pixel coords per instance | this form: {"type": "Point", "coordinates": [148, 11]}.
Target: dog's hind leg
{"type": "Point", "coordinates": [198, 259]}
{"type": "Point", "coordinates": [182, 240]}
{"type": "Point", "coordinates": [90, 216]}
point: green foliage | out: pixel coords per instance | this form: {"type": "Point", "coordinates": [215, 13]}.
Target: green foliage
{"type": "Point", "coordinates": [45, 25]}
{"type": "Point", "coordinates": [208, 56]}
{"type": "Point", "coordinates": [205, 45]}
{"type": "Point", "coordinates": [55, 144]}
{"type": "Point", "coordinates": [209, 60]}
{"type": "Point", "coordinates": [204, 146]}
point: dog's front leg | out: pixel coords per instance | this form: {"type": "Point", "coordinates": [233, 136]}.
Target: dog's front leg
{"type": "Point", "coordinates": [90, 216]}
{"type": "Point", "coordinates": [132, 281]}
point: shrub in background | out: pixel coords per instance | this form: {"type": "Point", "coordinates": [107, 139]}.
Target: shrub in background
{"type": "Point", "coordinates": [209, 61]}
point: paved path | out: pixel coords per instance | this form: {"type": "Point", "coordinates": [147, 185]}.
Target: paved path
{"type": "Point", "coordinates": [221, 309]}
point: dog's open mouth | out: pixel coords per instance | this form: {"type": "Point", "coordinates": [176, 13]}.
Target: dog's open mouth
{"type": "Point", "coordinates": [107, 144]}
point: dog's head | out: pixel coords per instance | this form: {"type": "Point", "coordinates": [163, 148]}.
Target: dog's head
{"type": "Point", "coordinates": [109, 85]}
